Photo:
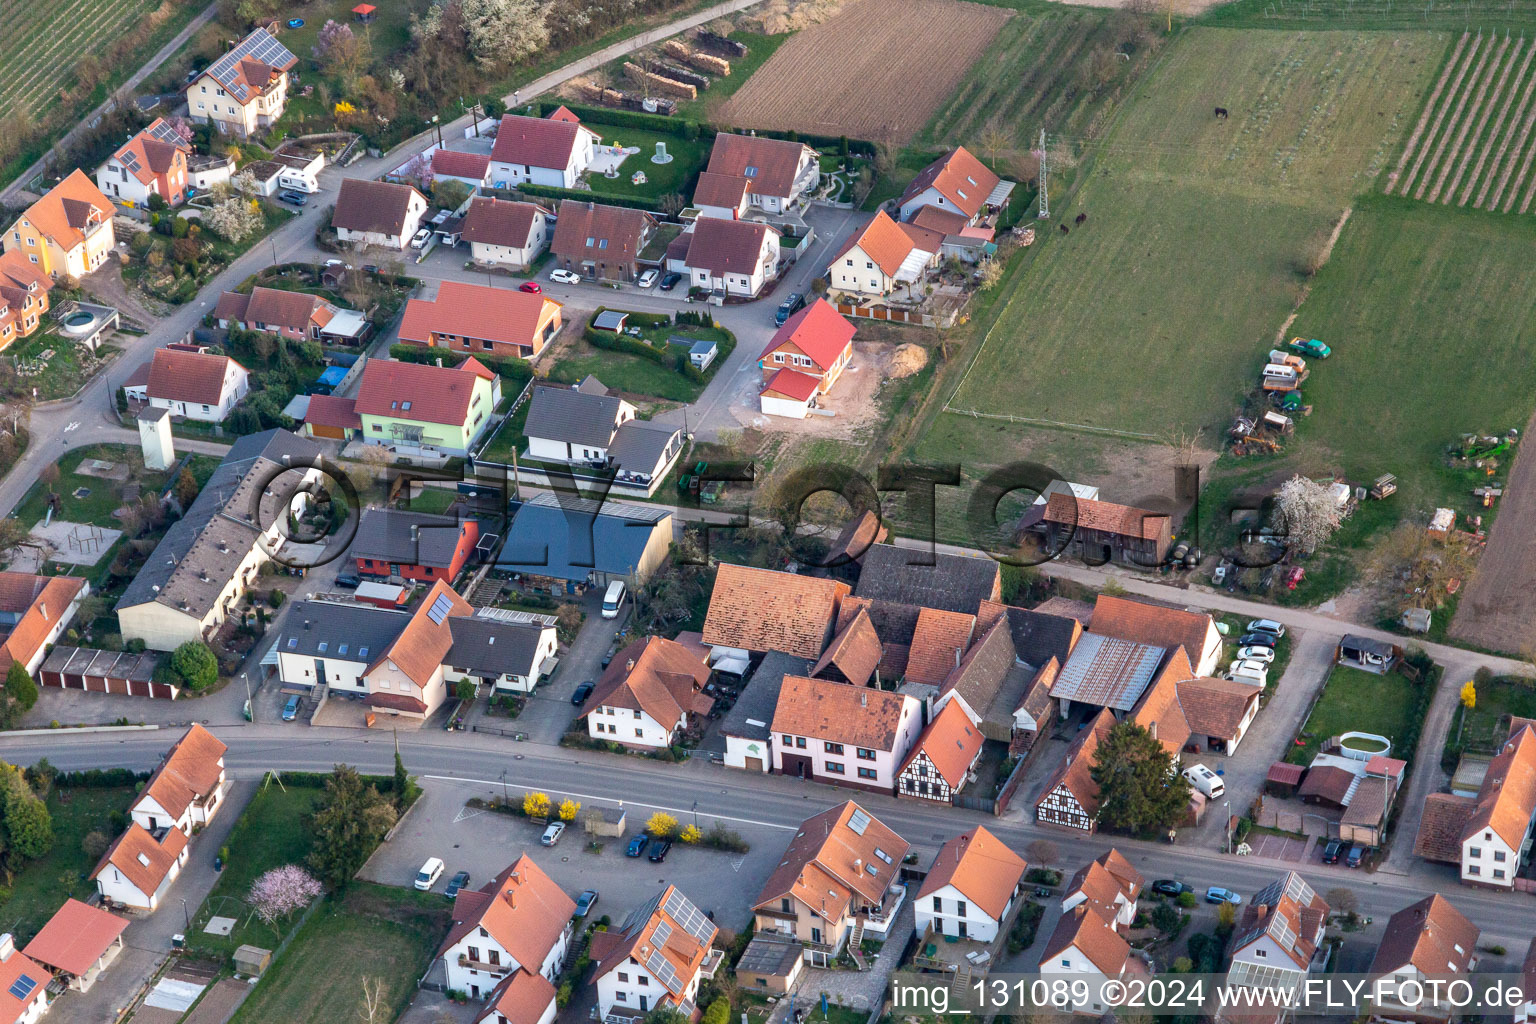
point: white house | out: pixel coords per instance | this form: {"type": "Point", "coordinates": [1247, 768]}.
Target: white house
{"type": "Point", "coordinates": [656, 959]}
{"type": "Point", "coordinates": [153, 162]}
{"type": "Point", "coordinates": [971, 888]}
{"type": "Point", "coordinates": [883, 256]}
{"type": "Point", "coordinates": [540, 151]}
{"type": "Point", "coordinates": [941, 761]}
{"type": "Point", "coordinates": [731, 257]}
{"type": "Point", "coordinates": [845, 735]}
{"type": "Point", "coordinates": [648, 694]}
{"type": "Point", "coordinates": [197, 385]}
{"type": "Point", "coordinates": [506, 234]}
{"type": "Point", "coordinates": [721, 195]}
{"type": "Point", "coordinates": [506, 656]}
{"type": "Point", "coordinates": [1279, 938]}
{"type": "Point", "coordinates": [377, 213]}
{"type": "Point", "coordinates": [23, 985]}
{"type": "Point", "coordinates": [1110, 885]}
{"type": "Point", "coordinates": [138, 869]}
{"type": "Point", "coordinates": [517, 923]}
{"type": "Point", "coordinates": [956, 182]}
{"type": "Point", "coordinates": [1086, 946]}
{"type": "Point", "coordinates": [779, 173]}
{"type": "Point", "coordinates": [585, 425]}
{"type": "Point", "coordinates": [1429, 939]}
{"type": "Point", "coordinates": [246, 90]}
{"type": "Point", "coordinates": [188, 788]}
{"type": "Point", "coordinates": [1497, 834]}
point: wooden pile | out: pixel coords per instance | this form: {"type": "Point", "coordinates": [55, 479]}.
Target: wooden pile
{"type": "Point", "coordinates": [702, 61]}
{"type": "Point", "coordinates": [660, 83]}
{"type": "Point", "coordinates": [720, 44]}
{"type": "Point", "coordinates": [597, 95]}
{"type": "Point", "coordinates": [678, 73]}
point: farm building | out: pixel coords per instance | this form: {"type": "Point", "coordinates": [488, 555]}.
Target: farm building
{"type": "Point", "coordinates": [1099, 532]}
{"type": "Point", "coordinates": [81, 668]}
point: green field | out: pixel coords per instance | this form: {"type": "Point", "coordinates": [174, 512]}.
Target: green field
{"type": "Point", "coordinates": [370, 934]}
{"type": "Point", "coordinates": [41, 887]}
{"type": "Point", "coordinates": [1483, 729]}
{"type": "Point", "coordinates": [1375, 14]}
{"type": "Point", "coordinates": [688, 156]}
{"type": "Point", "coordinates": [1363, 701]}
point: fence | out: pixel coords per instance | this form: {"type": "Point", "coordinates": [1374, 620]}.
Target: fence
{"type": "Point", "coordinates": [996, 805]}
{"type": "Point", "coordinates": [900, 316]}
{"type": "Point", "coordinates": [496, 730]}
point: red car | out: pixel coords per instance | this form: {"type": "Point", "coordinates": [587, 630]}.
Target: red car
{"type": "Point", "coordinates": [530, 286]}
{"type": "Point", "coordinates": [1294, 577]}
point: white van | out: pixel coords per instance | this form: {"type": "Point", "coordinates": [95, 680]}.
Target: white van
{"type": "Point", "coordinates": [428, 875]}
{"type": "Point", "coordinates": [1250, 671]}
{"type": "Point", "coordinates": [1205, 780]}
{"type": "Point", "coordinates": [1279, 377]}
{"type": "Point", "coordinates": [613, 600]}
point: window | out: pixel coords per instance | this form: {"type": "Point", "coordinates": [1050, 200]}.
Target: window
{"type": "Point", "coordinates": [850, 261]}
{"type": "Point", "coordinates": [637, 712]}
{"type": "Point", "coordinates": [621, 997]}
{"type": "Point", "coordinates": [639, 732]}
{"type": "Point", "coordinates": [1474, 870]}
{"type": "Point", "coordinates": [1065, 962]}
{"type": "Point", "coordinates": [800, 742]}
{"type": "Point", "coordinates": [959, 907]}
{"type": "Point", "coordinates": [938, 905]}
{"type": "Point", "coordinates": [833, 748]}
{"type": "Point", "coordinates": [474, 952]}
{"type": "Point", "coordinates": [623, 978]}
{"type": "Point", "coordinates": [869, 265]}
{"type": "Point", "coordinates": [835, 768]}
{"type": "Point", "coordinates": [784, 905]}
{"type": "Point", "coordinates": [642, 980]}
{"type": "Point", "coordinates": [787, 741]}
{"type": "Point", "coordinates": [1261, 953]}
{"type": "Point", "coordinates": [865, 754]}
{"type": "Point", "coordinates": [1498, 855]}
{"type": "Point", "coordinates": [1476, 851]}
{"type": "Point", "coordinates": [868, 773]}
{"type": "Point", "coordinates": [495, 955]}
{"type": "Point", "coordinates": [1498, 872]}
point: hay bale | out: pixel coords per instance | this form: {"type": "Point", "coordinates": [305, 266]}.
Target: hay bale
{"type": "Point", "coordinates": [706, 62]}
{"type": "Point", "coordinates": [907, 360]}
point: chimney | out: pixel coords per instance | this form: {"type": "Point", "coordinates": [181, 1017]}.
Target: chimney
{"type": "Point", "coordinates": [863, 700]}
{"type": "Point", "coordinates": [629, 666]}
{"type": "Point", "coordinates": [7, 947]}
{"type": "Point", "coordinates": [44, 608]}
{"type": "Point", "coordinates": [858, 864]}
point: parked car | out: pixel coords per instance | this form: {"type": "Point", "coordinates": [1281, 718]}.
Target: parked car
{"type": "Point", "coordinates": [1254, 652]}
{"type": "Point", "coordinates": [419, 239]}
{"type": "Point", "coordinates": [1255, 671]}
{"type": "Point", "coordinates": [788, 308]}
{"type": "Point", "coordinates": [1310, 347]}
{"type": "Point", "coordinates": [291, 709]}
{"type": "Point", "coordinates": [659, 850]}
{"type": "Point", "coordinates": [456, 883]}
{"type": "Point", "coordinates": [1331, 851]}
{"type": "Point", "coordinates": [564, 277]}
{"type": "Point", "coordinates": [649, 278]}
{"type": "Point", "coordinates": [1257, 640]}
{"type": "Point", "coordinates": [613, 600]}
{"type": "Point", "coordinates": [552, 834]}
{"type": "Point", "coordinates": [428, 875]}
{"type": "Point", "coordinates": [1355, 856]}
{"type": "Point", "coordinates": [348, 580]}
{"type": "Point", "coordinates": [636, 846]}
{"type": "Point", "coordinates": [582, 693]}
{"type": "Point", "coordinates": [669, 280]}
{"type": "Point", "coordinates": [294, 196]}
{"type": "Point", "coordinates": [532, 287]}
{"type": "Point", "coordinates": [1266, 626]}
{"type": "Point", "coordinates": [1216, 894]}
{"type": "Point", "coordinates": [1169, 887]}
{"type": "Point", "coordinates": [585, 902]}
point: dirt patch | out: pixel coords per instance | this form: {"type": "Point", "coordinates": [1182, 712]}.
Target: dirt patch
{"type": "Point", "coordinates": [1498, 610]}
{"type": "Point", "coordinates": [854, 75]}
{"type": "Point", "coordinates": [854, 399]}
{"type": "Point", "coordinates": [1181, 8]}
{"type": "Point", "coordinates": [907, 360]}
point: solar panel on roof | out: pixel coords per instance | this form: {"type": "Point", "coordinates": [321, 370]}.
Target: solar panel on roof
{"type": "Point", "coordinates": [662, 969]}
{"type": "Point", "coordinates": [23, 986]}
{"type": "Point", "coordinates": [688, 917]}
{"type": "Point", "coordinates": [662, 933]}
{"type": "Point", "coordinates": [165, 133]}
{"type": "Point", "coordinates": [440, 608]}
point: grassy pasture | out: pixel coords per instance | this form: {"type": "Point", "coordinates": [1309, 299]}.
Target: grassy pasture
{"type": "Point", "coordinates": [43, 42]}
{"type": "Point", "coordinates": [1374, 14]}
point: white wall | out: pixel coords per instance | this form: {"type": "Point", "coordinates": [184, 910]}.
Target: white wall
{"type": "Point", "coordinates": [1482, 868]}
{"type": "Point", "coordinates": [116, 184]}
{"type": "Point", "coordinates": [514, 256]}
{"type": "Point", "coordinates": [947, 914]}
{"type": "Point", "coordinates": [856, 272]}
{"type": "Point", "coordinates": [784, 407]}
{"type": "Point", "coordinates": [1125, 909]}
{"type": "Point", "coordinates": [641, 992]}
{"type": "Point", "coordinates": [738, 749]}
{"type": "Point", "coordinates": [927, 197]}
{"type": "Point", "coordinates": [627, 726]}
{"type": "Point", "coordinates": [559, 451]}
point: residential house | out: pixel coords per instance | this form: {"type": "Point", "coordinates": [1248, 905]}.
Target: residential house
{"type": "Point", "coordinates": [655, 960]}
{"type": "Point", "coordinates": [835, 883]}
{"type": "Point", "coordinates": [748, 724]}
{"type": "Point", "coordinates": [1071, 797]}
{"type": "Point", "coordinates": [957, 182]}
{"type": "Point", "coordinates": [1085, 942]}
{"type": "Point", "coordinates": [731, 258]}
{"type": "Point", "coordinates": [77, 944]}
{"type": "Point", "coordinates": [333, 418]}
{"type": "Point", "coordinates": [201, 386]}
{"type": "Point", "coordinates": [502, 322]}
{"type": "Point", "coordinates": [651, 691]}
{"type": "Point", "coordinates": [1218, 711]}
{"type": "Point", "coordinates": [540, 151]}
{"type": "Point", "coordinates": [883, 255]}
{"type": "Point", "coordinates": [151, 163]}
{"type": "Point", "coordinates": [971, 889]}
{"type": "Point", "coordinates": [517, 924]}
{"type": "Point", "coordinates": [564, 545]}
{"type": "Point", "coordinates": [138, 868]}
{"type": "Point", "coordinates": [721, 195]}
{"type": "Point", "coordinates": [1100, 532]}
{"type": "Point", "coordinates": [845, 735]}
{"type": "Point", "coordinates": [1110, 886]}
{"type": "Point", "coordinates": [188, 788]}
{"type": "Point", "coordinates": [246, 90]}
{"type": "Point", "coordinates": [1160, 626]}
{"type": "Point", "coordinates": [417, 405]}
{"type": "Point", "coordinates": [378, 213]}
{"type": "Point", "coordinates": [506, 234]}
{"type": "Point", "coordinates": [758, 610]}
{"type": "Point", "coordinates": [472, 169]}
{"type": "Point", "coordinates": [23, 296]}
{"type": "Point", "coordinates": [34, 612]}
{"type": "Point", "coordinates": [944, 757]}
{"type": "Point", "coordinates": [779, 173]}
{"type": "Point", "coordinates": [209, 557]}
{"type": "Point", "coordinates": [601, 243]}
{"type": "Point", "coordinates": [298, 316]}
{"type": "Point", "coordinates": [1496, 838]}
{"type": "Point", "coordinates": [1430, 939]}
{"type": "Point", "coordinates": [1279, 936]}
{"type": "Point", "coordinates": [505, 656]}
{"type": "Point", "coordinates": [24, 998]}
{"type": "Point", "coordinates": [585, 425]}
{"type": "Point", "coordinates": [957, 237]}
{"type": "Point", "coordinates": [68, 232]}
{"type": "Point", "coordinates": [804, 359]}
{"type": "Point", "coordinates": [413, 545]}
{"type": "Point", "coordinates": [929, 579]}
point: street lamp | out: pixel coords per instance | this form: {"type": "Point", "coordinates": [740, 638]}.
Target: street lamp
{"type": "Point", "coordinates": [1226, 822]}
{"type": "Point", "coordinates": [245, 678]}
{"type": "Point", "coordinates": [695, 814]}
{"type": "Point", "coordinates": [185, 916]}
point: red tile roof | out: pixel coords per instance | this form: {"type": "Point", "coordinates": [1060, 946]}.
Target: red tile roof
{"type": "Point", "coordinates": [332, 411]}
{"type": "Point", "coordinates": [75, 937]}
{"type": "Point", "coordinates": [938, 644]}
{"type": "Point", "coordinates": [769, 163]}
{"type": "Point", "coordinates": [193, 377]}
{"type": "Point", "coordinates": [1507, 798]}
{"type": "Point", "coordinates": [1076, 771]}
{"type": "Point", "coordinates": [535, 141]}
{"type": "Point", "coordinates": [591, 231]}
{"type": "Point", "coordinates": [1153, 624]}
{"type": "Point", "coordinates": [435, 394]}
{"type": "Point", "coordinates": [373, 206]}
{"type": "Point", "coordinates": [792, 384]}
{"type": "Point", "coordinates": [1085, 929]}
{"type": "Point", "coordinates": [714, 189]}
{"type": "Point", "coordinates": [11, 971]}
{"type": "Point", "coordinates": [818, 330]}
{"type": "Point", "coordinates": [522, 997]}
{"type": "Point", "coordinates": [142, 861]}
{"type": "Point", "coordinates": [421, 646]}
{"type": "Point", "coordinates": [727, 246]}
{"type": "Point", "coordinates": [478, 311]}
{"type": "Point", "coordinates": [1432, 935]}
{"type": "Point", "coordinates": [854, 652]}
{"type": "Point", "coordinates": [1104, 516]}
{"type": "Point", "coordinates": [46, 599]}
{"type": "Point", "coordinates": [981, 867]}
{"type": "Point", "coordinates": [68, 209]}
{"type": "Point", "coordinates": [524, 910]}
{"type": "Point", "coordinates": [1440, 827]}
{"type": "Point", "coordinates": [764, 610]}
{"type": "Point", "coordinates": [957, 176]}
{"type": "Point", "coordinates": [451, 163]}
{"type": "Point", "coordinates": [951, 741]}
{"type": "Point", "coordinates": [564, 113]}
{"type": "Point", "coordinates": [840, 713]}
{"type": "Point", "coordinates": [656, 676]}
{"type": "Point", "coordinates": [189, 771]}
{"type": "Point", "coordinates": [828, 861]}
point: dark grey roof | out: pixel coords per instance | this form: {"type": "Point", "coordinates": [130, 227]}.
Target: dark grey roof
{"type": "Point", "coordinates": [273, 445]}
{"type": "Point", "coordinates": [590, 385]}
{"type": "Point", "coordinates": [980, 673]}
{"type": "Point", "coordinates": [352, 632]}
{"type": "Point", "coordinates": [483, 645]}
{"type": "Point", "coordinates": [769, 955]}
{"type": "Point", "coordinates": [1039, 637]}
{"type": "Point", "coordinates": [568, 538]}
{"type": "Point", "coordinates": [1366, 645]}
{"type": "Point", "coordinates": [752, 714]}
{"type": "Point", "coordinates": [410, 538]}
{"type": "Point", "coordinates": [609, 320]}
{"type": "Point", "coordinates": [895, 623]}
{"type": "Point", "coordinates": [638, 446]}
{"type": "Point", "coordinates": [954, 583]}
{"type": "Point", "coordinates": [573, 415]}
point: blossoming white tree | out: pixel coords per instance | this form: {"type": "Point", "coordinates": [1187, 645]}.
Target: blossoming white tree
{"type": "Point", "coordinates": [278, 893]}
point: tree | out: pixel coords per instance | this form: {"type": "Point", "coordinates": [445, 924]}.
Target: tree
{"type": "Point", "coordinates": [450, 193]}
{"type": "Point", "coordinates": [1042, 853]}
{"type": "Point", "coordinates": [1306, 513]}
{"type": "Point", "coordinates": [277, 893]}
{"type": "Point", "coordinates": [569, 809]}
{"type": "Point", "coordinates": [719, 1012]}
{"type": "Point", "coordinates": [339, 48]}
{"type": "Point", "coordinates": [12, 534]}
{"type": "Point", "coordinates": [1469, 695]}
{"type": "Point", "coordinates": [374, 1008]}
{"type": "Point", "coordinates": [95, 844]}
{"type": "Point", "coordinates": [350, 819]}
{"type": "Point", "coordinates": [464, 689]}
{"type": "Point", "coordinates": [990, 273]}
{"type": "Point", "coordinates": [235, 219]}
{"type": "Point", "coordinates": [502, 32]}
{"type": "Point", "coordinates": [665, 1015]}
{"type": "Point", "coordinates": [27, 825]}
{"type": "Point", "coordinates": [194, 664]}
{"type": "Point", "coordinates": [19, 686]}
{"type": "Point", "coordinates": [1165, 919]}
{"type": "Point", "coordinates": [536, 805]}
{"type": "Point", "coordinates": [1140, 789]}
{"type": "Point", "coordinates": [402, 780]}
{"type": "Point", "coordinates": [690, 834]}
{"type": "Point", "coordinates": [1343, 900]}
{"type": "Point", "coordinates": [186, 487]}
{"type": "Point", "coordinates": [662, 825]}
{"type": "Point", "coordinates": [994, 141]}
{"type": "Point", "coordinates": [1226, 918]}
{"type": "Point", "coordinates": [671, 204]}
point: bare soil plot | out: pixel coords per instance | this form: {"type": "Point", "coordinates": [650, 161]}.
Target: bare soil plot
{"type": "Point", "coordinates": [1498, 610]}
{"type": "Point", "coordinates": [855, 75]}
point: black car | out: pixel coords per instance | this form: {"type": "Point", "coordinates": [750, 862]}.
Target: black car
{"type": "Point", "coordinates": [659, 850]}
{"type": "Point", "coordinates": [582, 693]}
{"type": "Point", "coordinates": [349, 581]}
{"type": "Point", "coordinates": [669, 280]}
{"type": "Point", "coordinates": [289, 195]}
{"type": "Point", "coordinates": [458, 882]}
{"type": "Point", "coordinates": [1257, 640]}
{"type": "Point", "coordinates": [789, 308]}
{"type": "Point", "coordinates": [1168, 887]}
{"type": "Point", "coordinates": [1332, 850]}
{"type": "Point", "coordinates": [1355, 856]}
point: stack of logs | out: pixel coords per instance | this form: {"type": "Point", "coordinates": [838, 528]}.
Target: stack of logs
{"type": "Point", "coordinates": [703, 61]}
{"type": "Point", "coordinates": [661, 83]}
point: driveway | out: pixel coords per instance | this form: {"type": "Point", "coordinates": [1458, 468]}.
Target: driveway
{"type": "Point", "coordinates": [549, 712]}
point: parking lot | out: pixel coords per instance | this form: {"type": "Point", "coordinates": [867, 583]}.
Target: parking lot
{"type": "Point", "coordinates": [485, 842]}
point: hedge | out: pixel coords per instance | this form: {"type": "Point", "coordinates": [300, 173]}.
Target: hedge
{"type": "Point", "coordinates": [506, 366]}
{"type": "Point", "coordinates": [623, 343]}
{"type": "Point", "coordinates": [99, 778]}
{"type": "Point", "coordinates": [860, 146]}
{"type": "Point", "coordinates": [643, 319]}
{"type": "Point", "coordinates": [582, 195]}
{"type": "Point", "coordinates": [680, 127]}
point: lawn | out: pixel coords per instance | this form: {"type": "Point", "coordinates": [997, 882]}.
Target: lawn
{"type": "Point", "coordinates": [66, 371]}
{"type": "Point", "coordinates": [688, 157]}
{"type": "Point", "coordinates": [432, 500]}
{"type": "Point", "coordinates": [637, 375]}
{"type": "Point", "coordinates": [41, 887]}
{"type": "Point", "coordinates": [371, 933]}
{"type": "Point", "coordinates": [105, 495]}
{"type": "Point", "coordinates": [1352, 699]}
{"type": "Point", "coordinates": [1482, 729]}
{"type": "Point", "coordinates": [1486, 15]}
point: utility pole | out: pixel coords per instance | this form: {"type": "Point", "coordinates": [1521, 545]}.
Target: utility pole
{"type": "Point", "coordinates": [1045, 199]}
